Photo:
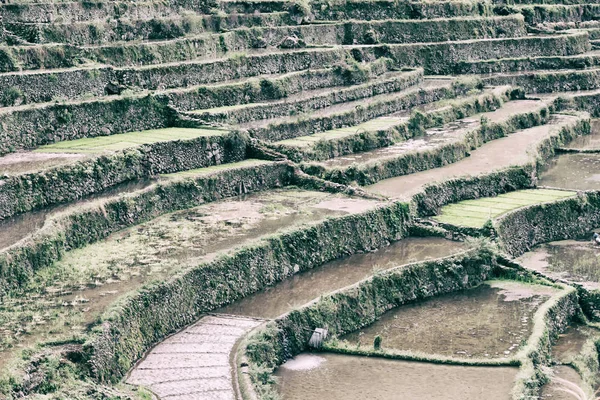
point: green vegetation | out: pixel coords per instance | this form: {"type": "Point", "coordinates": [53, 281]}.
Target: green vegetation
{"type": "Point", "coordinates": [11, 96]}
{"type": "Point", "coordinates": [343, 347]}
{"type": "Point", "coordinates": [475, 213]}
{"type": "Point", "coordinates": [127, 140]}
{"type": "Point", "coordinates": [377, 342]}
{"type": "Point", "coordinates": [163, 109]}
{"type": "Point", "coordinates": [570, 217]}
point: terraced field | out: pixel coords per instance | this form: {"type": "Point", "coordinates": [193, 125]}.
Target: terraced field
{"type": "Point", "coordinates": [475, 213]}
{"type": "Point", "coordinates": [194, 195]}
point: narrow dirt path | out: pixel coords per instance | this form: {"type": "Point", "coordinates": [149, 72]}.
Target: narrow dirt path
{"type": "Point", "coordinates": [194, 363]}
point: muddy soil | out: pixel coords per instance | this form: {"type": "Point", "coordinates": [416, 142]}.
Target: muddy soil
{"type": "Point", "coordinates": [571, 260]}
{"type": "Point", "coordinates": [432, 139]}
{"type": "Point", "coordinates": [18, 227]}
{"type": "Point", "coordinates": [565, 384]}
{"type": "Point", "coordinates": [64, 298]}
{"type": "Point", "coordinates": [492, 320]}
{"type": "Point", "coordinates": [437, 137]}
{"type": "Point", "coordinates": [570, 343]}
{"type": "Point", "coordinates": [28, 161]}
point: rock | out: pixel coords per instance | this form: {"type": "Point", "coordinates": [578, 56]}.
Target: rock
{"type": "Point", "coordinates": [292, 42]}
{"type": "Point", "coordinates": [113, 88]}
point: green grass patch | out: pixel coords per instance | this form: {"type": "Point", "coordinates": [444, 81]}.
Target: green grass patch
{"type": "Point", "coordinates": [123, 141]}
{"type": "Point", "coordinates": [475, 213]}
{"type": "Point", "coordinates": [216, 168]}
{"type": "Point", "coordinates": [374, 125]}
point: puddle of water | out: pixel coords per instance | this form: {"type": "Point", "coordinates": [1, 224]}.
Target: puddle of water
{"type": "Point", "coordinates": [20, 226]}
{"type": "Point", "coordinates": [588, 142]}
{"type": "Point", "coordinates": [572, 171]}
{"type": "Point", "coordinates": [489, 321]}
{"type": "Point", "coordinates": [16, 228]}
{"type": "Point", "coordinates": [302, 288]}
{"type": "Point", "coordinates": [345, 205]}
{"type": "Point", "coordinates": [304, 362]}
{"type": "Point", "coordinates": [573, 261]}
{"type": "Point", "coordinates": [342, 377]}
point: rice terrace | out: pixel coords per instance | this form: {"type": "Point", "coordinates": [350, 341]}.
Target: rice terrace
{"type": "Point", "coordinates": [300, 199]}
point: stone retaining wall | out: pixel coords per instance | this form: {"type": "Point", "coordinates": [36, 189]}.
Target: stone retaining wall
{"type": "Point", "coordinates": [145, 318]}
{"type": "Point", "coordinates": [92, 223]}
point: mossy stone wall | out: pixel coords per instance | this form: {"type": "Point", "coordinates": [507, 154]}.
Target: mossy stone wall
{"type": "Point", "coordinates": [71, 182]}
{"type": "Point", "coordinates": [145, 318]}
{"type": "Point", "coordinates": [359, 305]}
{"type": "Point", "coordinates": [442, 58]}
{"type": "Point", "coordinates": [383, 9]}
{"type": "Point", "coordinates": [44, 86]}
{"type": "Point", "coordinates": [92, 223]}
{"type": "Point", "coordinates": [29, 127]}
{"type": "Point", "coordinates": [550, 82]}
{"type": "Point", "coordinates": [520, 230]}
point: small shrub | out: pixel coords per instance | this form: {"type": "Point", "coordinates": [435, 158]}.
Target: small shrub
{"type": "Point", "coordinates": [93, 73]}
{"type": "Point", "coordinates": [64, 116]}
{"type": "Point", "coordinates": [12, 96]}
{"type": "Point", "coordinates": [377, 342]}
{"type": "Point", "coordinates": [300, 11]}
{"type": "Point", "coordinates": [418, 122]}
{"type": "Point", "coordinates": [352, 73]}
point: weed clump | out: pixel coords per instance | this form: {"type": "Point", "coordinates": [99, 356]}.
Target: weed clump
{"type": "Point", "coordinates": [377, 342]}
{"type": "Point", "coordinates": [12, 96]}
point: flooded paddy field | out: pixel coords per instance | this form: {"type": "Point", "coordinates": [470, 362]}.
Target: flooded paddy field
{"type": "Point", "coordinates": [343, 377]}
{"type": "Point", "coordinates": [587, 142]}
{"type": "Point", "coordinates": [430, 140]}
{"type": "Point", "coordinates": [435, 137]}
{"type": "Point", "coordinates": [203, 97]}
{"type": "Point", "coordinates": [570, 260]}
{"type": "Point", "coordinates": [63, 299]}
{"type": "Point", "coordinates": [566, 383]}
{"type": "Point", "coordinates": [302, 288]}
{"type": "Point", "coordinates": [498, 154]}
{"type": "Point", "coordinates": [575, 171]}
{"type": "Point", "coordinates": [490, 321]}
{"type": "Point", "coordinates": [570, 343]}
